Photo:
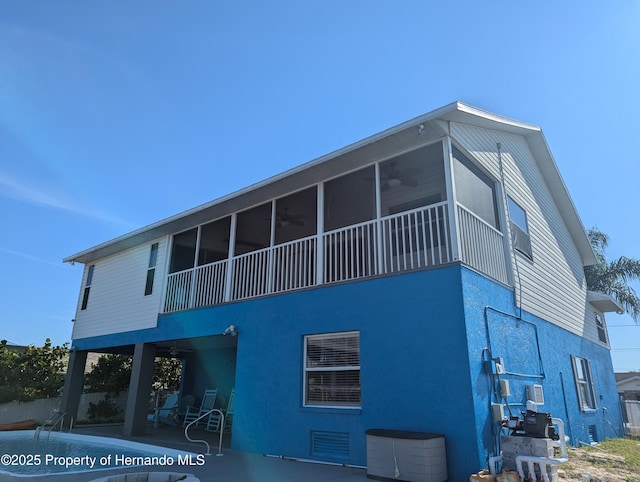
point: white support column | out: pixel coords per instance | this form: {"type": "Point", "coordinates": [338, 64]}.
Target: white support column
{"type": "Point", "coordinates": [320, 235]}
{"type": "Point", "coordinates": [272, 242]}
{"type": "Point", "coordinates": [451, 199]}
{"type": "Point", "coordinates": [228, 283]}
{"type": "Point", "coordinates": [379, 248]}
{"type": "Point", "coordinates": [194, 271]}
{"type": "Point", "coordinates": [165, 275]}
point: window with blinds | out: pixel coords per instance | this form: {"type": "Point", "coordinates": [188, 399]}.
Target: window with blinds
{"type": "Point", "coordinates": [332, 370]}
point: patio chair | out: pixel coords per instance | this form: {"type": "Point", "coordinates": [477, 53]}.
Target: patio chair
{"type": "Point", "coordinates": [165, 414]}
{"type": "Point", "coordinates": [208, 402]}
{"type": "Point", "coordinates": [213, 424]}
{"type": "Point", "coordinates": [185, 402]}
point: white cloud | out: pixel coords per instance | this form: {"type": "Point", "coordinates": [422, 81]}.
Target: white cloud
{"type": "Point", "coordinates": [29, 257]}
{"type": "Point", "coordinates": [11, 188]}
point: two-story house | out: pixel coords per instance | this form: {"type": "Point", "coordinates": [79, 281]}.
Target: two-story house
{"type": "Point", "coordinates": [394, 284]}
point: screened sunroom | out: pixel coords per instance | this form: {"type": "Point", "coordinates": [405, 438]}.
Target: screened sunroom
{"type": "Point", "coordinates": [426, 206]}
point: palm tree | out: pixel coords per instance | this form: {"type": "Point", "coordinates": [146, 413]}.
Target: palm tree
{"type": "Point", "coordinates": [613, 277]}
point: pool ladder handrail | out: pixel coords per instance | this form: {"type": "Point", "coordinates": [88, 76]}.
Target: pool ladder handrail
{"type": "Point", "coordinates": [186, 429]}
{"type": "Point", "coordinates": [55, 419]}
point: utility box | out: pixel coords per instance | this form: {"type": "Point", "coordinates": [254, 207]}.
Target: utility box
{"type": "Point", "coordinates": [406, 456]}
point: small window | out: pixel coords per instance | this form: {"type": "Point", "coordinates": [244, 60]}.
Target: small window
{"type": "Point", "coordinates": [87, 287]}
{"type": "Point", "coordinates": [151, 272]}
{"type": "Point", "coordinates": [584, 383]}
{"type": "Point", "coordinates": [332, 370]}
{"type": "Point", "coordinates": [602, 333]}
{"type": "Point", "coordinates": [519, 228]}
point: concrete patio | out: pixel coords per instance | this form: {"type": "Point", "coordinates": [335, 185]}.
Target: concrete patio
{"type": "Point", "coordinates": [230, 467]}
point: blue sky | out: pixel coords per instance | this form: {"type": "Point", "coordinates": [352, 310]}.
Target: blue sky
{"type": "Point", "coordinates": [114, 115]}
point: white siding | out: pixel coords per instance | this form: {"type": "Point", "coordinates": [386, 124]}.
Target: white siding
{"type": "Point", "coordinates": [552, 286]}
{"type": "Point", "coordinates": [116, 301]}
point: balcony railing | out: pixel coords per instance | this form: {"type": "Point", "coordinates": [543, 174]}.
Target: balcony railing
{"type": "Point", "coordinates": [481, 245]}
{"type": "Point", "coordinates": [411, 240]}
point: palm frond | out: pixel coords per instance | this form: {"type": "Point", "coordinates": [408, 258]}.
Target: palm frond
{"type": "Point", "coordinates": [628, 299]}
{"type": "Point", "coordinates": [613, 277]}
{"type": "Point", "coordinates": [627, 269]}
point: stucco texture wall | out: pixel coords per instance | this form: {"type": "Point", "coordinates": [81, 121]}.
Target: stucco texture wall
{"type": "Point", "coordinates": [534, 352]}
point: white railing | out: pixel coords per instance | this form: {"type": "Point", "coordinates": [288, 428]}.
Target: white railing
{"type": "Point", "coordinates": [350, 253]}
{"type": "Point", "coordinates": [481, 245]}
{"type": "Point", "coordinates": [251, 274]}
{"type": "Point", "coordinates": [294, 265]}
{"type": "Point", "coordinates": [178, 292]}
{"type": "Point", "coordinates": [402, 242]}
{"type": "Point", "coordinates": [415, 239]}
{"type": "Point", "coordinates": [209, 284]}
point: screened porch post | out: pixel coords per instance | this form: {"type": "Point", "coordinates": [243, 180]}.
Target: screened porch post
{"type": "Point", "coordinates": [228, 283]}
{"type": "Point", "coordinates": [320, 235]}
{"type": "Point", "coordinates": [271, 266]}
{"type": "Point", "coordinates": [451, 199]}
{"type": "Point", "coordinates": [196, 255]}
{"type": "Point", "coordinates": [378, 240]}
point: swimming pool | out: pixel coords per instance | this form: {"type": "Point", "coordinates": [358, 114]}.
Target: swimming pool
{"type": "Point", "coordinates": [21, 455]}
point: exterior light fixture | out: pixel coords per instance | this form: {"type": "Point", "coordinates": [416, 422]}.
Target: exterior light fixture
{"type": "Point", "coordinates": [231, 330]}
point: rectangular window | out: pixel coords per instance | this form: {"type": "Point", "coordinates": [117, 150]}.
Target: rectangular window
{"type": "Point", "coordinates": [519, 228]}
{"type": "Point", "coordinates": [151, 272]}
{"type": "Point", "coordinates": [87, 287]}
{"type": "Point", "coordinates": [602, 333]}
{"type": "Point", "coordinates": [332, 370]}
{"type": "Point", "coordinates": [584, 383]}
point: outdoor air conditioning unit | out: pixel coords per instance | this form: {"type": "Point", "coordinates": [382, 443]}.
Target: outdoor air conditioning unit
{"type": "Point", "coordinates": [535, 394]}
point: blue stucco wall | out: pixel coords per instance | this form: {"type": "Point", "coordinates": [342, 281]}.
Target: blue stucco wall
{"type": "Point", "coordinates": [413, 358]}
{"type": "Point", "coordinates": [423, 337]}
{"type": "Point", "coordinates": [414, 366]}
{"type": "Point", "coordinates": [494, 323]}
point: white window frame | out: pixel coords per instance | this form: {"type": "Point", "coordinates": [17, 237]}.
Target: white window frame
{"type": "Point", "coordinates": [601, 328]}
{"type": "Point", "coordinates": [584, 383]}
{"type": "Point", "coordinates": [520, 236]}
{"type": "Point", "coordinates": [151, 270]}
{"type": "Point", "coordinates": [87, 287]}
{"type": "Point", "coordinates": [310, 370]}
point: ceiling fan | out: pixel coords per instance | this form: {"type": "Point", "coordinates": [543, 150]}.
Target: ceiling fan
{"type": "Point", "coordinates": [391, 176]}
{"type": "Point", "coordinates": [174, 349]}
{"type": "Point", "coordinates": [285, 218]}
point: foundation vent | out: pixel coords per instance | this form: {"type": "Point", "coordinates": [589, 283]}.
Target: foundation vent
{"type": "Point", "coordinates": [334, 444]}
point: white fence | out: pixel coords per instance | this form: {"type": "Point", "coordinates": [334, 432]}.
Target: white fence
{"type": "Point", "coordinates": [632, 409]}
{"type": "Point", "coordinates": [41, 409]}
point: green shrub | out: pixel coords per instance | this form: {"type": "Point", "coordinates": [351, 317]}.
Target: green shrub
{"type": "Point", "coordinates": [8, 394]}
{"type": "Point", "coordinates": [105, 411]}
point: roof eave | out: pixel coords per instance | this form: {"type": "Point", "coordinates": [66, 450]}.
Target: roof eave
{"type": "Point", "coordinates": [307, 172]}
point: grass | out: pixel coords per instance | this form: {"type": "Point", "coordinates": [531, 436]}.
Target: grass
{"type": "Point", "coordinates": [628, 447]}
